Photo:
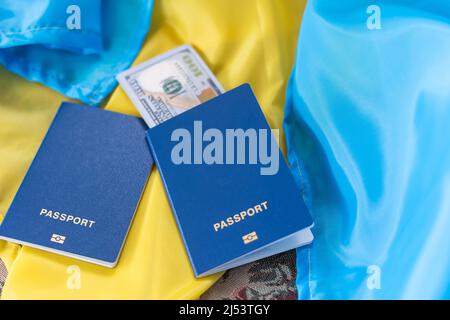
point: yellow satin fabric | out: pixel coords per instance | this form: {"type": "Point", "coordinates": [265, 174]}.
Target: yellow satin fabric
{"type": "Point", "coordinates": [242, 41]}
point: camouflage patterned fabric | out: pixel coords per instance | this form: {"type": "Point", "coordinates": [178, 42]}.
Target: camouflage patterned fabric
{"type": "Point", "coordinates": [3, 274]}
{"type": "Point", "coordinates": [272, 278]}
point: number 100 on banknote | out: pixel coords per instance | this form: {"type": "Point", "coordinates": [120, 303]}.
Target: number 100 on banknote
{"type": "Point", "coordinates": [169, 84]}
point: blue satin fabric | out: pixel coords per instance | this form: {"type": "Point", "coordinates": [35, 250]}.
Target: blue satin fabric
{"type": "Point", "coordinates": [367, 123]}
{"type": "Point", "coordinates": [44, 22]}
{"type": "Point", "coordinates": [81, 64]}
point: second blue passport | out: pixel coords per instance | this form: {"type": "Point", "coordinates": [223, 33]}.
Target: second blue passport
{"type": "Point", "coordinates": [232, 194]}
{"type": "Point", "coordinates": [81, 191]}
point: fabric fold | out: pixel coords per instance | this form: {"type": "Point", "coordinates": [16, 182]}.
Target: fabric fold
{"type": "Point", "coordinates": [366, 126]}
{"type": "Point", "coordinates": [107, 40]}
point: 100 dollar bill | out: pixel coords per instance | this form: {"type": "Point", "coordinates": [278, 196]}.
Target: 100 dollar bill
{"type": "Point", "coordinates": [169, 84]}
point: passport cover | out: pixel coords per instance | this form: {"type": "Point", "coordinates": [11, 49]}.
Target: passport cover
{"type": "Point", "coordinates": [80, 193]}
{"type": "Point", "coordinates": [204, 195]}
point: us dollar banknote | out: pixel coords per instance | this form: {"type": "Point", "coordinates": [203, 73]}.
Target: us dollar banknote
{"type": "Point", "coordinates": [169, 84]}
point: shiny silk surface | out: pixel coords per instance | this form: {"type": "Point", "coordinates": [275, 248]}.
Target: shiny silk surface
{"type": "Point", "coordinates": [45, 22]}
{"type": "Point", "coordinates": [367, 125]}
{"type": "Point", "coordinates": [110, 36]}
{"type": "Point", "coordinates": [254, 44]}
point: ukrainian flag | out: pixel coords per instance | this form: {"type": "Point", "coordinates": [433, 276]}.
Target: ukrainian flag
{"type": "Point", "coordinates": [242, 41]}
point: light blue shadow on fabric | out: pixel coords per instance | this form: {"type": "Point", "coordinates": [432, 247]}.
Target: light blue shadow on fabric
{"type": "Point", "coordinates": [367, 126]}
{"type": "Point", "coordinates": [85, 77]}
{"type": "Point", "coordinates": [60, 24]}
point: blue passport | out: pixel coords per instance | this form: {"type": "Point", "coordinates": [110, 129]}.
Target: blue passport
{"type": "Point", "coordinates": [81, 191]}
{"type": "Point", "coordinates": [231, 191]}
